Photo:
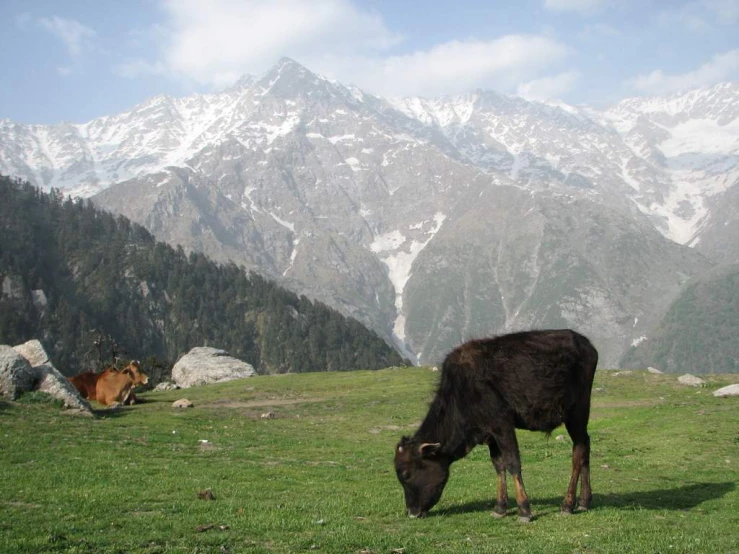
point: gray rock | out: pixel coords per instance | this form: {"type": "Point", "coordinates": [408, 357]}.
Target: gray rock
{"type": "Point", "coordinates": [39, 299]}
{"type": "Point", "coordinates": [690, 380]}
{"type": "Point", "coordinates": [54, 383]}
{"type": "Point", "coordinates": [34, 352]}
{"type": "Point", "coordinates": [12, 286]}
{"type": "Point", "coordinates": [730, 390]}
{"type": "Point", "coordinates": [654, 370]}
{"type": "Point", "coordinates": [16, 374]}
{"type": "Point", "coordinates": [182, 403]}
{"type": "Point", "coordinates": [46, 378]}
{"type": "Point", "coordinates": [166, 385]}
{"type": "Point", "coordinates": [204, 365]}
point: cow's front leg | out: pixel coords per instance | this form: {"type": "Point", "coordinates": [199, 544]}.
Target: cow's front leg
{"type": "Point", "coordinates": [501, 503]}
{"type": "Point", "coordinates": [512, 459]}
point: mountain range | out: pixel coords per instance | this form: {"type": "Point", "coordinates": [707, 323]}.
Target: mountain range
{"type": "Point", "coordinates": [432, 221]}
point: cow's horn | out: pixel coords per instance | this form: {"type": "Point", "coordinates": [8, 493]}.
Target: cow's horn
{"type": "Point", "coordinates": [432, 445]}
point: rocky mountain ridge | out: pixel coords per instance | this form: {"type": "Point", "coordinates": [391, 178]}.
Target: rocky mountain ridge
{"type": "Point", "coordinates": [432, 221]}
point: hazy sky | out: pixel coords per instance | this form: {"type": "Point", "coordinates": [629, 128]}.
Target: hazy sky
{"type": "Point", "coordinates": [79, 59]}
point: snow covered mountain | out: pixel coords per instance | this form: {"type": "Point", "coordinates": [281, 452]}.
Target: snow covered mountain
{"type": "Point", "coordinates": [432, 221]}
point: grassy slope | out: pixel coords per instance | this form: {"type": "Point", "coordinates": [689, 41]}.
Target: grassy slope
{"type": "Point", "coordinates": [319, 477]}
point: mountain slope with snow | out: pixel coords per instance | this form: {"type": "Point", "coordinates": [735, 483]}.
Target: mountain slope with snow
{"type": "Point", "coordinates": [430, 220]}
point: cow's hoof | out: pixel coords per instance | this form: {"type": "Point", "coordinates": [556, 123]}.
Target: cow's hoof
{"type": "Point", "coordinates": [498, 515]}
{"type": "Point", "coordinates": [566, 510]}
{"type": "Point", "coordinates": [583, 508]}
{"type": "Point", "coordinates": [526, 519]}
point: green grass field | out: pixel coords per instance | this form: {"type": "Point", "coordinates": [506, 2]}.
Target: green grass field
{"type": "Point", "coordinates": [319, 477]}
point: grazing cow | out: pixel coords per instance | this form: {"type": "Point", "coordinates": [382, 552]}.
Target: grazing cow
{"type": "Point", "coordinates": [532, 380]}
{"type": "Point", "coordinates": [86, 383]}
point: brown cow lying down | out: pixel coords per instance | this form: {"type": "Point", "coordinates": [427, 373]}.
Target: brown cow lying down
{"type": "Point", "coordinates": [86, 383]}
{"type": "Point", "coordinates": [116, 387]}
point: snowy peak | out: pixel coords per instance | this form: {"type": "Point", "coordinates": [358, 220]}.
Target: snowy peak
{"type": "Point", "coordinates": [668, 156]}
{"type": "Point", "coordinates": [719, 103]}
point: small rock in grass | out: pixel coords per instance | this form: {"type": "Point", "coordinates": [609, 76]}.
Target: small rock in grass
{"type": "Point", "coordinates": [559, 438]}
{"type": "Point", "coordinates": [182, 403]}
{"type": "Point", "coordinates": [654, 370]}
{"type": "Point", "coordinates": [268, 415]}
{"type": "Point", "coordinates": [207, 494]}
{"type": "Point", "coordinates": [690, 380]}
{"type": "Point", "coordinates": [166, 385]}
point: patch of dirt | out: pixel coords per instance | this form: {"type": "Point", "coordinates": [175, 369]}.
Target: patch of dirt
{"type": "Point", "coordinates": [602, 403]}
{"type": "Point", "coordinates": [21, 504]}
{"type": "Point", "coordinates": [260, 403]}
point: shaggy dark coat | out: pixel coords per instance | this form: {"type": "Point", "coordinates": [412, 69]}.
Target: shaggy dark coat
{"type": "Point", "coordinates": [534, 380]}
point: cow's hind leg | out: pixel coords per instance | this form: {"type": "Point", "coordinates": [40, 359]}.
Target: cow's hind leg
{"type": "Point", "coordinates": [577, 429]}
{"type": "Point", "coordinates": [508, 445]}
{"type": "Point", "coordinates": [501, 504]}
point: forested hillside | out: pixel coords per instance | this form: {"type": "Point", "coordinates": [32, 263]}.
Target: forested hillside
{"type": "Point", "coordinates": [70, 272]}
{"type": "Point", "coordinates": [699, 332]}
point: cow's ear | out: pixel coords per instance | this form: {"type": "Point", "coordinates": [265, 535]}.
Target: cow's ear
{"type": "Point", "coordinates": [429, 449]}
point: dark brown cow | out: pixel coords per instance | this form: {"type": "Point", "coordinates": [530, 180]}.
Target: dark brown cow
{"type": "Point", "coordinates": [533, 380]}
{"type": "Point", "coordinates": [116, 387]}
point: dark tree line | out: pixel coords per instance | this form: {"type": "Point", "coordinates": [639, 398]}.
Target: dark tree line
{"type": "Point", "coordinates": [101, 273]}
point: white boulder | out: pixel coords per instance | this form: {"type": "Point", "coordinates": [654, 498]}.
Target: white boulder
{"type": "Point", "coordinates": [204, 365]}
{"type": "Point", "coordinates": [166, 385]}
{"type": "Point", "coordinates": [48, 379]}
{"type": "Point", "coordinates": [730, 390]}
{"type": "Point", "coordinates": [27, 367]}
{"type": "Point", "coordinates": [182, 403]}
{"type": "Point", "coordinates": [16, 374]}
{"type": "Point", "coordinates": [690, 380]}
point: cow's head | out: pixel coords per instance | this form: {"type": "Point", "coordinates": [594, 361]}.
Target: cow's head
{"type": "Point", "coordinates": [134, 370]}
{"type": "Point", "coordinates": [423, 471]}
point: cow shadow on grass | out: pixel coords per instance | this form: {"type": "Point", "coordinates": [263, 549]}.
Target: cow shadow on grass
{"type": "Point", "coordinates": [107, 413]}
{"type": "Point", "coordinates": [683, 497]}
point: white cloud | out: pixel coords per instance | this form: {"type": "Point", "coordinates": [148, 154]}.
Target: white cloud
{"type": "Point", "coordinates": [583, 7]}
{"type": "Point", "coordinates": [452, 67]}
{"type": "Point", "coordinates": [549, 88]}
{"type": "Point", "coordinates": [64, 70]}
{"type": "Point", "coordinates": [722, 67]}
{"type": "Point", "coordinates": [70, 31]}
{"type": "Point", "coordinates": [216, 42]}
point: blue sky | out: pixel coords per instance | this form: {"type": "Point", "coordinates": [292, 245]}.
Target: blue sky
{"type": "Point", "coordinates": [80, 59]}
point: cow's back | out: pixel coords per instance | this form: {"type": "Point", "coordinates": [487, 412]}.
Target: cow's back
{"type": "Point", "coordinates": [534, 376]}
{"type": "Point", "coordinates": [86, 384]}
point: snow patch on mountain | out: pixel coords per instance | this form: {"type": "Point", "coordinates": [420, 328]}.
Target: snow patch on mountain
{"type": "Point", "coordinates": [400, 263]}
{"type": "Point", "coordinates": [701, 135]}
